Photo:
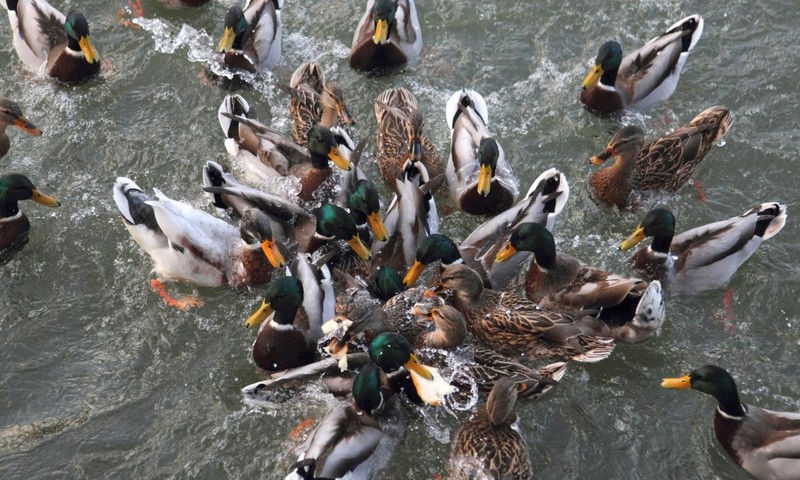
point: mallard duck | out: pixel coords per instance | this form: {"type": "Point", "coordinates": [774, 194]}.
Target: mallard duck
{"type": "Point", "coordinates": [400, 136]}
{"type": "Point", "coordinates": [251, 40]}
{"type": "Point", "coordinates": [411, 217]}
{"type": "Point", "coordinates": [763, 442]}
{"type": "Point", "coordinates": [513, 325]}
{"type": "Point", "coordinates": [271, 152]}
{"type": "Point", "coordinates": [46, 40]}
{"type": "Point", "coordinates": [189, 245]}
{"type": "Point", "coordinates": [343, 444]}
{"type": "Point", "coordinates": [314, 101]}
{"type": "Point", "coordinates": [632, 308]}
{"type": "Point", "coordinates": [645, 76]}
{"type": "Point", "coordinates": [387, 37]}
{"type": "Point", "coordinates": [11, 114]}
{"type": "Point", "coordinates": [704, 257]}
{"type": "Point", "coordinates": [665, 164]}
{"type": "Point", "coordinates": [490, 444]}
{"type": "Point", "coordinates": [364, 205]}
{"type": "Point", "coordinates": [481, 180]}
{"type": "Point", "coordinates": [432, 248]}
{"type": "Point", "coordinates": [14, 225]}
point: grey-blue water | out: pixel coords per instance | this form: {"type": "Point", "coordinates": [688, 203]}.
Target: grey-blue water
{"type": "Point", "coordinates": [99, 379]}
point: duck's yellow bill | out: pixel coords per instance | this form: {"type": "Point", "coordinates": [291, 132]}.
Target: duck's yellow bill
{"type": "Point", "coordinates": [381, 36]}
{"type": "Point", "coordinates": [377, 226]}
{"type": "Point", "coordinates": [413, 365]}
{"type": "Point", "coordinates": [27, 127]}
{"type": "Point", "coordinates": [683, 382]}
{"type": "Point", "coordinates": [228, 36]}
{"type": "Point", "coordinates": [273, 253]}
{"type": "Point", "coordinates": [507, 252]}
{"type": "Point", "coordinates": [337, 158]}
{"type": "Point", "coordinates": [636, 237]}
{"type": "Point", "coordinates": [43, 199]}
{"type": "Point", "coordinates": [258, 317]}
{"type": "Point", "coordinates": [358, 246]}
{"type": "Point", "coordinates": [88, 50]}
{"type": "Point", "coordinates": [413, 273]}
{"type": "Point", "coordinates": [485, 180]}
{"type": "Point", "coordinates": [593, 77]}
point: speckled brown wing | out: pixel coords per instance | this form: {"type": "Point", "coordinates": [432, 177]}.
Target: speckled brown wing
{"type": "Point", "coordinates": [482, 448]}
{"type": "Point", "coordinates": [306, 111]}
{"type": "Point", "coordinates": [393, 141]}
{"type": "Point", "coordinates": [489, 366]}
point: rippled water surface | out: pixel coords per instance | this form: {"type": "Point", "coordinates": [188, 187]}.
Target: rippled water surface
{"type": "Point", "coordinates": [99, 379]}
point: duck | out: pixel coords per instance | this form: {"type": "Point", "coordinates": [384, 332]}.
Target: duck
{"type": "Point", "coordinates": [251, 40]}
{"type": "Point", "coordinates": [765, 443]}
{"type": "Point", "coordinates": [314, 101]}
{"type": "Point", "coordinates": [513, 325]}
{"type": "Point", "coordinates": [480, 178]}
{"type": "Point", "coordinates": [344, 443]}
{"type": "Point", "coordinates": [192, 246]}
{"type": "Point", "coordinates": [644, 77]}
{"type": "Point", "coordinates": [48, 41]}
{"type": "Point", "coordinates": [665, 164]}
{"type": "Point", "coordinates": [270, 154]}
{"type": "Point", "coordinates": [14, 224]}
{"type": "Point", "coordinates": [400, 135]}
{"type": "Point", "coordinates": [387, 37]}
{"type": "Point", "coordinates": [490, 444]}
{"type": "Point", "coordinates": [633, 309]}
{"type": "Point", "coordinates": [11, 114]}
{"type": "Point", "coordinates": [702, 258]}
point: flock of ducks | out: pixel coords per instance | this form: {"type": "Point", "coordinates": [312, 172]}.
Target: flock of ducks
{"type": "Point", "coordinates": [378, 339]}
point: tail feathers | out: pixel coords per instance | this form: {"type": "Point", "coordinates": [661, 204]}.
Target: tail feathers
{"type": "Point", "coordinates": [598, 349]}
{"type": "Point", "coordinates": [771, 219]}
{"type": "Point", "coordinates": [214, 175]}
{"type": "Point", "coordinates": [232, 106]}
{"type": "Point", "coordinates": [465, 98]}
{"type": "Point", "coordinates": [132, 204]}
{"type": "Point", "coordinates": [694, 25]}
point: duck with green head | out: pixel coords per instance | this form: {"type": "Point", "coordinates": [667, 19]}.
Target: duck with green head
{"type": "Point", "coordinates": [644, 77]}
{"type": "Point", "coordinates": [14, 225]}
{"type": "Point", "coordinates": [765, 443]}
{"type": "Point", "coordinates": [47, 40]}
{"type": "Point", "coordinates": [631, 308]}
{"type": "Point", "coordinates": [364, 204]}
{"type": "Point", "coordinates": [388, 36]}
{"type": "Point", "coordinates": [705, 257]}
{"type": "Point", "coordinates": [11, 114]}
{"type": "Point", "coordinates": [251, 39]}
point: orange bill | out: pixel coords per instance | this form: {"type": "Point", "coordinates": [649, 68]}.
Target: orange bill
{"type": "Point", "coordinates": [27, 127]}
{"type": "Point", "coordinates": [273, 254]}
{"type": "Point", "coordinates": [358, 246]}
{"type": "Point", "coordinates": [683, 382]}
{"type": "Point", "coordinates": [413, 273]}
{"type": "Point", "coordinates": [377, 226]}
{"type": "Point", "coordinates": [507, 252]}
{"type": "Point", "coordinates": [88, 49]}
{"type": "Point", "coordinates": [43, 199]}
{"type": "Point", "coordinates": [336, 157]}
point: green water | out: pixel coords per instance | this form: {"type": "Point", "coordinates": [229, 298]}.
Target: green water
{"type": "Point", "coordinates": [99, 379]}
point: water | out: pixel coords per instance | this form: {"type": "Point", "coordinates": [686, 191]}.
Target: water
{"type": "Point", "coordinates": [99, 379]}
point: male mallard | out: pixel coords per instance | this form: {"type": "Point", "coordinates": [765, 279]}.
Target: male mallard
{"type": "Point", "coordinates": [490, 444]}
{"type": "Point", "coordinates": [252, 36]}
{"type": "Point", "coordinates": [14, 225]}
{"type": "Point", "coordinates": [314, 101]}
{"type": "Point", "coordinates": [46, 40]}
{"type": "Point", "coordinates": [481, 180]}
{"type": "Point", "coordinates": [704, 257]}
{"type": "Point", "coordinates": [189, 245]}
{"type": "Point", "coordinates": [512, 324]}
{"type": "Point", "coordinates": [632, 308]}
{"type": "Point", "coordinates": [400, 137]}
{"type": "Point", "coordinates": [645, 76]}
{"type": "Point", "coordinates": [387, 37]}
{"type": "Point", "coordinates": [271, 154]}
{"type": "Point", "coordinates": [665, 164]}
{"type": "Point", "coordinates": [763, 442]}
{"type": "Point", "coordinates": [11, 114]}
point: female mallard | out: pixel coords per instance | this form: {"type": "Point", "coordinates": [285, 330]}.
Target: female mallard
{"type": "Point", "coordinates": [705, 257]}
{"type": "Point", "coordinates": [267, 153]}
{"type": "Point", "coordinates": [251, 40]}
{"type": "Point", "coordinates": [645, 76]}
{"type": "Point", "coordinates": [665, 164]}
{"type": "Point", "coordinates": [314, 101]}
{"type": "Point", "coordinates": [46, 40]}
{"type": "Point", "coordinates": [387, 37]}
{"type": "Point", "coordinates": [514, 325]}
{"type": "Point", "coordinates": [632, 308]}
{"type": "Point", "coordinates": [763, 442]}
{"type": "Point", "coordinates": [490, 444]}
{"type": "Point", "coordinates": [481, 180]}
{"type": "Point", "coordinates": [11, 114]}
{"type": "Point", "coordinates": [400, 136]}
{"type": "Point", "coordinates": [14, 225]}
{"type": "Point", "coordinates": [187, 244]}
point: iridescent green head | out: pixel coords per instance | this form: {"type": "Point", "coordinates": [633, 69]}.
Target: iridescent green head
{"type": "Point", "coordinates": [532, 237]}
{"type": "Point", "coordinates": [367, 391]}
{"type": "Point", "coordinates": [336, 222]}
{"type": "Point", "coordinates": [390, 351]}
{"type": "Point", "coordinates": [387, 283]}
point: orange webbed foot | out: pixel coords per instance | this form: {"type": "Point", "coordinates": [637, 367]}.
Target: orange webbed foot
{"type": "Point", "coordinates": [184, 303]}
{"type": "Point", "coordinates": [136, 9]}
{"type": "Point", "coordinates": [301, 427]}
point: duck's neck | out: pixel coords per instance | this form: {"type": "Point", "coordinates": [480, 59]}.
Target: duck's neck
{"type": "Point", "coordinates": [8, 208]}
{"type": "Point", "coordinates": [73, 46]}
{"type": "Point", "coordinates": [284, 319]}
{"type": "Point", "coordinates": [730, 405]}
{"type": "Point", "coordinates": [329, 117]}
{"type": "Point", "coordinates": [608, 80]}
{"type": "Point", "coordinates": [661, 244]}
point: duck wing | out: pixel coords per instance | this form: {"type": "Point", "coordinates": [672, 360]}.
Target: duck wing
{"type": "Point", "coordinates": [264, 18]}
